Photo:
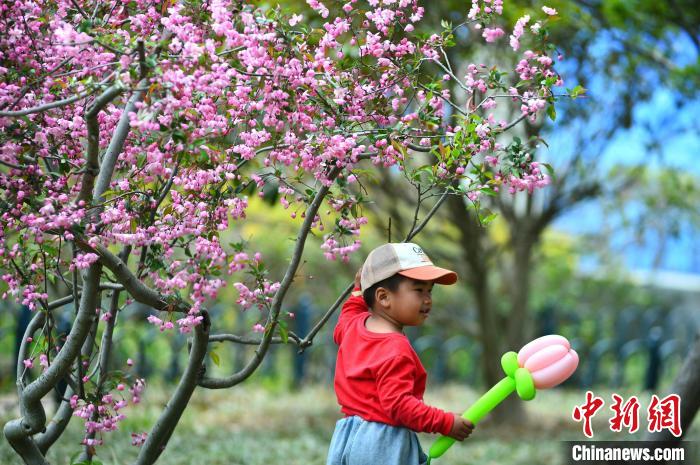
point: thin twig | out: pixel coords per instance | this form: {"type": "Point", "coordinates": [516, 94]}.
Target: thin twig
{"type": "Point", "coordinates": [56, 104]}
{"type": "Point", "coordinates": [514, 123]}
{"type": "Point", "coordinates": [308, 339]}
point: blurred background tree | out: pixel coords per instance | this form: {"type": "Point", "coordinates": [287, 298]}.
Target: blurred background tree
{"type": "Point", "coordinates": [628, 55]}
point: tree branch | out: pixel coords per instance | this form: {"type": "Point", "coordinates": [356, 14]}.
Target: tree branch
{"type": "Point", "coordinates": [308, 339]}
{"type": "Point", "coordinates": [251, 341]}
{"type": "Point", "coordinates": [117, 144]}
{"type": "Point", "coordinates": [513, 124]}
{"type": "Point", "coordinates": [221, 383]}
{"type": "Point", "coordinates": [427, 218]}
{"type": "Point", "coordinates": [34, 325]}
{"type": "Point", "coordinates": [56, 104]}
{"type": "Point", "coordinates": [106, 343]}
{"type": "Point", "coordinates": [105, 352]}
{"type": "Point", "coordinates": [57, 425]}
{"type": "Point", "coordinates": [92, 167]}
{"type": "Point", "coordinates": [164, 427]}
{"type": "Point", "coordinates": [134, 286]}
{"type": "Point", "coordinates": [686, 385]}
{"type": "Point", "coordinates": [69, 298]}
{"type": "Point", "coordinates": [419, 148]}
{"type": "Point", "coordinates": [19, 431]}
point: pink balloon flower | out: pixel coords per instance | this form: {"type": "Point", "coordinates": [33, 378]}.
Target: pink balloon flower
{"type": "Point", "coordinates": [550, 359]}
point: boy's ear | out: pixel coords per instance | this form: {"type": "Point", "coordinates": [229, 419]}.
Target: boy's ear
{"type": "Point", "coordinates": [381, 296]}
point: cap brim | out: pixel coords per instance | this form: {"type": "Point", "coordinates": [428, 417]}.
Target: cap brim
{"type": "Point", "coordinates": [431, 273]}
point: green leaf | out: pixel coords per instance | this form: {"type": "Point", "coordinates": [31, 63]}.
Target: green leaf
{"type": "Point", "coordinates": [550, 170]}
{"type": "Point", "coordinates": [284, 332]}
{"type": "Point", "coordinates": [84, 26]}
{"type": "Point", "coordinates": [577, 91]}
{"type": "Point", "coordinates": [215, 358]}
{"type": "Point", "coordinates": [552, 112]}
{"type": "Point", "coordinates": [488, 219]}
{"type": "Point", "coordinates": [179, 136]}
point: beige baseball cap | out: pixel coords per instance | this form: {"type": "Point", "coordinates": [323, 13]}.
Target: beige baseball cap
{"type": "Point", "coordinates": [404, 258]}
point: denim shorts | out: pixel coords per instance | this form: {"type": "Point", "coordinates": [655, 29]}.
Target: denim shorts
{"type": "Point", "coordinates": [359, 442]}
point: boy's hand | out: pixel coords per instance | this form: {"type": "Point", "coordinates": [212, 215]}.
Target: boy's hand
{"type": "Point", "coordinates": [358, 284]}
{"type": "Point", "coordinates": [461, 428]}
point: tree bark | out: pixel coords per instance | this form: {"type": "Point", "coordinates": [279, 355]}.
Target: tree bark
{"type": "Point", "coordinates": [19, 432]}
{"type": "Point", "coordinates": [687, 386]}
{"type": "Point", "coordinates": [519, 323]}
{"type": "Point", "coordinates": [472, 236]}
{"type": "Point", "coordinates": [477, 277]}
{"type": "Point", "coordinates": [165, 426]}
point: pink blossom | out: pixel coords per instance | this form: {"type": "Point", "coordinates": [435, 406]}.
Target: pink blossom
{"type": "Point", "coordinates": [258, 328]}
{"type": "Point", "coordinates": [518, 31]}
{"type": "Point", "coordinates": [295, 19]}
{"type": "Point", "coordinates": [318, 6]}
{"type": "Point", "coordinates": [549, 11]}
{"type": "Point", "coordinates": [137, 439]}
{"type": "Point", "coordinates": [83, 261]}
{"type": "Point", "coordinates": [492, 34]}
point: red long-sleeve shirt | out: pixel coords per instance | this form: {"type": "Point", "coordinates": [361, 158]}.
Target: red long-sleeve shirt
{"type": "Point", "coordinates": [379, 377]}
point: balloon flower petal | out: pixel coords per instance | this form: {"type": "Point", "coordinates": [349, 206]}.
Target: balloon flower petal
{"type": "Point", "coordinates": [557, 373]}
{"type": "Point", "coordinates": [550, 359]}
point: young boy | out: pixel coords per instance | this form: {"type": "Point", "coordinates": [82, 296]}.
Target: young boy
{"type": "Point", "coordinates": [379, 380]}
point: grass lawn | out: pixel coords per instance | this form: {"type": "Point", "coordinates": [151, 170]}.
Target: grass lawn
{"type": "Point", "coordinates": [255, 425]}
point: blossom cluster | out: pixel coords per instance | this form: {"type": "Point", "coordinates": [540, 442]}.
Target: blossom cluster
{"type": "Point", "coordinates": [103, 415]}
{"type": "Point", "coordinates": [284, 104]}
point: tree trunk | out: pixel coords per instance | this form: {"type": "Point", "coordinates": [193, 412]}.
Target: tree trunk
{"type": "Point", "coordinates": [477, 263]}
{"type": "Point", "coordinates": [687, 386]}
{"type": "Point", "coordinates": [519, 323]}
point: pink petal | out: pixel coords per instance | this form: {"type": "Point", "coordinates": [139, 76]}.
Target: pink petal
{"type": "Point", "coordinates": [545, 357]}
{"type": "Point", "coordinates": [557, 373]}
{"type": "Point", "coordinates": [540, 343]}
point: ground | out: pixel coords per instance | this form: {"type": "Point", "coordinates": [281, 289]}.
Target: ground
{"type": "Point", "coordinates": [255, 425]}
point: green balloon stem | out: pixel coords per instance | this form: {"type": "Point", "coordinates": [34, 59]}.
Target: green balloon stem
{"type": "Point", "coordinates": [476, 412]}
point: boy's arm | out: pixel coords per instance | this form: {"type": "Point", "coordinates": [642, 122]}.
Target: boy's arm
{"type": "Point", "coordinates": [395, 379]}
{"type": "Point", "coordinates": [353, 306]}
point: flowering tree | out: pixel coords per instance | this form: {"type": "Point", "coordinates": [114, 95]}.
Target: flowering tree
{"type": "Point", "coordinates": [133, 132]}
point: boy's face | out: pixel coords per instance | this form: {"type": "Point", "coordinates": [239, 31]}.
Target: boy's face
{"type": "Point", "coordinates": [411, 302]}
